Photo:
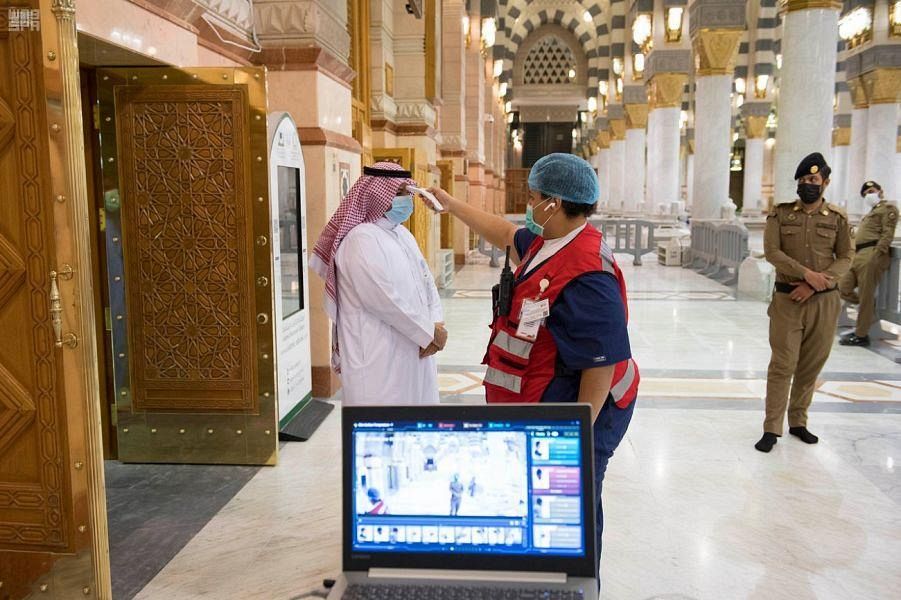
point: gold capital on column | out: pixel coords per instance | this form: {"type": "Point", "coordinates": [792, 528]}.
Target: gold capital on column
{"type": "Point", "coordinates": [603, 139]}
{"type": "Point", "coordinates": [858, 94]}
{"type": "Point", "coordinates": [841, 136]}
{"type": "Point", "coordinates": [755, 127]}
{"type": "Point", "coordinates": [617, 129]}
{"type": "Point", "coordinates": [636, 116]}
{"type": "Point", "coordinates": [715, 51]}
{"type": "Point", "coordinates": [665, 90]}
{"type": "Point", "coordinates": [793, 5]}
{"type": "Point", "coordinates": [882, 86]}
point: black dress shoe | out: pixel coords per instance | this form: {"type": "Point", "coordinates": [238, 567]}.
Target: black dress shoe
{"type": "Point", "coordinates": [854, 340]}
{"type": "Point", "coordinates": [767, 442]}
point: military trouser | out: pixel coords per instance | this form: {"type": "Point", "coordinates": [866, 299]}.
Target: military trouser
{"type": "Point", "coordinates": [867, 269]}
{"type": "Point", "coordinates": [801, 336]}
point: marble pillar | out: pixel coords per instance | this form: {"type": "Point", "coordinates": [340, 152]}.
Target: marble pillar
{"type": "Point", "coordinates": [651, 149]}
{"type": "Point", "coordinates": [857, 162]}
{"type": "Point", "coordinates": [753, 198]}
{"type": "Point", "coordinates": [882, 125]}
{"type": "Point", "coordinates": [604, 176]}
{"type": "Point", "coordinates": [663, 168]}
{"type": "Point", "coordinates": [617, 163]}
{"type": "Point", "coordinates": [806, 89]}
{"type": "Point", "coordinates": [634, 157]}
{"type": "Point", "coordinates": [690, 180]}
{"type": "Point", "coordinates": [715, 52]}
{"type": "Point", "coordinates": [882, 87]}
{"type": "Point", "coordinates": [713, 145]}
{"type": "Point", "coordinates": [634, 173]}
{"type": "Point", "coordinates": [840, 189]}
{"type": "Point", "coordinates": [755, 131]}
{"type": "Point", "coordinates": [664, 138]}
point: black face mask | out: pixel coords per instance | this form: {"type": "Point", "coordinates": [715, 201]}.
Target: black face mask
{"type": "Point", "coordinates": [809, 192]}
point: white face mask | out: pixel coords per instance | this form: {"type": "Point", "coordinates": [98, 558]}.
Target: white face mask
{"type": "Point", "coordinates": [872, 199]}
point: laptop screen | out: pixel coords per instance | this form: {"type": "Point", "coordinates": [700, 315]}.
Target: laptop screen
{"type": "Point", "coordinates": [489, 486]}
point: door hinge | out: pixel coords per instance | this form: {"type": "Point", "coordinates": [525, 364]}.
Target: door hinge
{"type": "Point", "coordinates": [95, 110]}
{"type": "Point", "coordinates": [108, 318]}
{"type": "Point", "coordinates": [101, 218]}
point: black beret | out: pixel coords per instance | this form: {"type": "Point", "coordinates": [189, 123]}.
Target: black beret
{"type": "Point", "coordinates": [867, 185]}
{"type": "Point", "coordinates": [812, 164]}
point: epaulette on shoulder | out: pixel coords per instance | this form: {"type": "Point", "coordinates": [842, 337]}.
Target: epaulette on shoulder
{"type": "Point", "coordinates": [774, 211]}
{"type": "Point", "coordinates": [837, 209]}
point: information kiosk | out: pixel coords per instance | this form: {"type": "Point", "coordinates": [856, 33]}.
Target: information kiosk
{"type": "Point", "coordinates": [289, 270]}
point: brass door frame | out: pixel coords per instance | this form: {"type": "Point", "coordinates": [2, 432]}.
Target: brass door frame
{"type": "Point", "coordinates": [172, 436]}
{"type": "Point", "coordinates": [77, 563]}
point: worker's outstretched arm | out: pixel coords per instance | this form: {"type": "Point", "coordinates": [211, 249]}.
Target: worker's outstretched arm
{"type": "Point", "coordinates": [495, 229]}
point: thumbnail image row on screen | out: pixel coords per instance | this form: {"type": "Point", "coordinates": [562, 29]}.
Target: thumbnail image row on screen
{"type": "Point", "coordinates": [543, 536]}
{"type": "Point", "coordinates": [440, 534]}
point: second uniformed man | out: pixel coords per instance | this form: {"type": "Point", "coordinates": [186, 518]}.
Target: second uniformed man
{"type": "Point", "coordinates": [873, 243]}
{"type": "Point", "coordinates": [809, 243]}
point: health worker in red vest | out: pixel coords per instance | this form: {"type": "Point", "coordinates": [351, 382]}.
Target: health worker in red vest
{"type": "Point", "coordinates": [564, 337]}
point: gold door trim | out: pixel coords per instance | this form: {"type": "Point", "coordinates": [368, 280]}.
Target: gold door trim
{"type": "Point", "coordinates": [179, 423]}
{"type": "Point", "coordinates": [86, 363]}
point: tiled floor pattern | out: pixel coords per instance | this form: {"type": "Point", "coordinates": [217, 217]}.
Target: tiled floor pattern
{"type": "Point", "coordinates": [692, 510]}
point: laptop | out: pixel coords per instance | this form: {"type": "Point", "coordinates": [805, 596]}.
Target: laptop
{"type": "Point", "coordinates": [468, 502]}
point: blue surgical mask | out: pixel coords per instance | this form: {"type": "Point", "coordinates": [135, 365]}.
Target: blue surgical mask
{"type": "Point", "coordinates": [401, 209]}
{"type": "Point", "coordinates": [531, 225]}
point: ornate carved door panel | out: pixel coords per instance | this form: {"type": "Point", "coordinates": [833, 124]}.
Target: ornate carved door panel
{"type": "Point", "coordinates": [185, 180]}
{"type": "Point", "coordinates": [52, 507]}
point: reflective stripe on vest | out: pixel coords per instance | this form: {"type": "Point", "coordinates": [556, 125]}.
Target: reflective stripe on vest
{"type": "Point", "coordinates": [503, 380]}
{"type": "Point", "coordinates": [513, 345]}
{"type": "Point", "coordinates": [607, 259]}
{"type": "Point", "coordinates": [622, 386]}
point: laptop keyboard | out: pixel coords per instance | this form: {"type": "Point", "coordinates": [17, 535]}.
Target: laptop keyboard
{"type": "Point", "coordinates": [453, 592]}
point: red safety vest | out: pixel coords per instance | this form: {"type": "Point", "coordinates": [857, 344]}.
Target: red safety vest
{"type": "Point", "coordinates": [520, 370]}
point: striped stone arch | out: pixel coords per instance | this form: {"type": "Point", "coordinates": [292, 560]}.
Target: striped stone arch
{"type": "Point", "coordinates": [518, 19]}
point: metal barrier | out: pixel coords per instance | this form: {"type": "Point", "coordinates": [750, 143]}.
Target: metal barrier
{"type": "Point", "coordinates": [702, 249]}
{"type": "Point", "coordinates": [888, 302]}
{"type": "Point", "coordinates": [628, 236]}
{"type": "Point", "coordinates": [491, 251]}
{"type": "Point", "coordinates": [718, 249]}
{"type": "Point", "coordinates": [624, 236]}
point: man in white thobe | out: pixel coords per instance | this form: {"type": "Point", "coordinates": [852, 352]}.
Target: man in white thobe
{"type": "Point", "coordinates": [381, 295]}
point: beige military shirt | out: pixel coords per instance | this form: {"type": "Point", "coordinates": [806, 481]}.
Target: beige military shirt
{"type": "Point", "coordinates": [878, 226]}
{"type": "Point", "coordinates": [795, 241]}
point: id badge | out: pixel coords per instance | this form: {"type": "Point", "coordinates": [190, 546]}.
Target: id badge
{"type": "Point", "coordinates": [531, 316]}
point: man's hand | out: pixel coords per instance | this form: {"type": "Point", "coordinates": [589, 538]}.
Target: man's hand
{"type": "Point", "coordinates": [438, 342]}
{"type": "Point", "coordinates": [818, 281]}
{"type": "Point", "coordinates": [429, 350]}
{"type": "Point", "coordinates": [443, 198]}
{"type": "Point", "coordinates": [801, 293]}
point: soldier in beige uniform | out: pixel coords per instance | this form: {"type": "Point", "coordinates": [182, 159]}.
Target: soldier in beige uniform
{"type": "Point", "coordinates": [873, 242]}
{"type": "Point", "coordinates": [809, 243]}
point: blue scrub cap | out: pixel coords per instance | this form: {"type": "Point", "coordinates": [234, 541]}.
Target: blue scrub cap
{"type": "Point", "coordinates": [565, 176]}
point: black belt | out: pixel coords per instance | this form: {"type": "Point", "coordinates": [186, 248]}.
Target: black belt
{"type": "Point", "coordinates": [866, 245]}
{"type": "Point", "coordinates": [787, 288]}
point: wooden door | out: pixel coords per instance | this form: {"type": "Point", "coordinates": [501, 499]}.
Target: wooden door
{"type": "Point", "coordinates": [53, 541]}
{"type": "Point", "coordinates": [185, 181]}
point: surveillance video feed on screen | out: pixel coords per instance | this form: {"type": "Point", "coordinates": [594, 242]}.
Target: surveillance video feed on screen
{"type": "Point", "coordinates": [468, 487]}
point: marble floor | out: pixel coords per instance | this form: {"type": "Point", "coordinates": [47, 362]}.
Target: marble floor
{"type": "Point", "coordinates": [692, 510]}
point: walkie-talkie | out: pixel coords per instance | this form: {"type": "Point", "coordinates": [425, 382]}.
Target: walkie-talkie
{"type": "Point", "coordinates": [505, 288]}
